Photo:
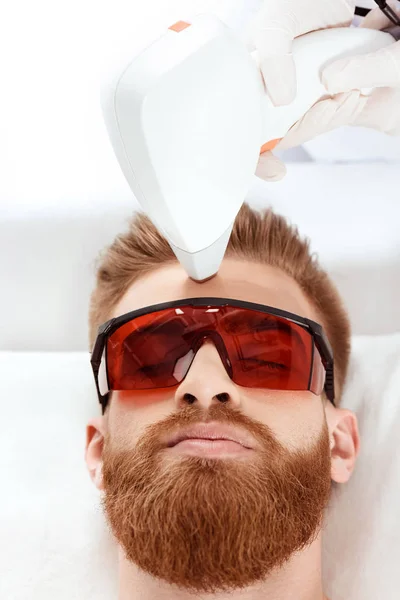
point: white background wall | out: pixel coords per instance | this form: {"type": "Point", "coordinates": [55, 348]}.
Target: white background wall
{"type": "Point", "coordinates": [53, 143]}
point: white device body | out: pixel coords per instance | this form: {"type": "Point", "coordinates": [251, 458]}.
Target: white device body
{"type": "Point", "coordinates": [187, 118]}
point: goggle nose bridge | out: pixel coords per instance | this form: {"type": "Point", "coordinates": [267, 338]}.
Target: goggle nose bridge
{"type": "Point", "coordinates": [199, 339]}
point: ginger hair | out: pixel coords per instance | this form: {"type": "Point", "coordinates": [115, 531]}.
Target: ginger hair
{"type": "Point", "coordinates": [258, 236]}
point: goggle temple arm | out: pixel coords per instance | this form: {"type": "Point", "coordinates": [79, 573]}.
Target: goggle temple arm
{"type": "Point", "coordinates": [96, 357]}
{"type": "Point", "coordinates": [326, 352]}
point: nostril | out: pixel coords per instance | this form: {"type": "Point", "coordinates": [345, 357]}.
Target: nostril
{"type": "Point", "coordinates": [189, 397]}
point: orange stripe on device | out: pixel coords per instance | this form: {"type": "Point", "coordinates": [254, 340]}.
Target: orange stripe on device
{"type": "Point", "coordinates": [179, 26]}
{"type": "Point", "coordinates": [270, 145]}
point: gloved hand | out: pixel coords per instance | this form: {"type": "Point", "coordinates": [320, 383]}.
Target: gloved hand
{"type": "Point", "coordinates": [274, 28]}
{"type": "Point", "coordinates": [272, 32]}
{"type": "Point", "coordinates": [380, 110]}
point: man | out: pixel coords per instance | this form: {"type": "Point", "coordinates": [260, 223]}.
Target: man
{"type": "Point", "coordinates": [220, 519]}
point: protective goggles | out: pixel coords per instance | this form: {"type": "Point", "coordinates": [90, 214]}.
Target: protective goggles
{"type": "Point", "coordinates": [260, 347]}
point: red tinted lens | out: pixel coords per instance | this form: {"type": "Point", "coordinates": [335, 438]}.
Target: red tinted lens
{"type": "Point", "coordinates": [261, 350]}
{"type": "Point", "coordinates": [271, 352]}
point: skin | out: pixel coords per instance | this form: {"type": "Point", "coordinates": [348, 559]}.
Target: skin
{"type": "Point", "coordinates": [238, 527]}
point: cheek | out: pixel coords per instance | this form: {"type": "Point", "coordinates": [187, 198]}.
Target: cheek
{"type": "Point", "coordinates": [132, 411]}
{"type": "Point", "coordinates": [294, 417]}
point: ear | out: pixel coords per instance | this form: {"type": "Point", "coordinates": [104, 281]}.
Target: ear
{"type": "Point", "coordinates": [95, 432]}
{"type": "Point", "coordinates": [345, 443]}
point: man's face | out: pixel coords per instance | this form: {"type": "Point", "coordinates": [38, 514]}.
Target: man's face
{"type": "Point", "coordinates": [222, 522]}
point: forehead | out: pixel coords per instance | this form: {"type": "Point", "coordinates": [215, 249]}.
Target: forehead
{"type": "Point", "coordinates": [237, 279]}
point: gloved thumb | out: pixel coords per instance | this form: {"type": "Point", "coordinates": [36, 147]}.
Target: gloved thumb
{"type": "Point", "coordinates": [375, 69]}
{"type": "Point", "coordinates": [270, 168]}
{"type": "Point", "coordinates": [278, 70]}
{"type": "Point", "coordinates": [271, 33]}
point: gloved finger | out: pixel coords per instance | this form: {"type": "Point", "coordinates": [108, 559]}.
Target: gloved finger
{"type": "Point", "coordinates": [270, 168]}
{"type": "Point", "coordinates": [274, 29]}
{"type": "Point", "coordinates": [381, 111]}
{"type": "Point", "coordinates": [277, 64]}
{"type": "Point", "coordinates": [324, 116]}
{"type": "Point", "coordinates": [375, 69]}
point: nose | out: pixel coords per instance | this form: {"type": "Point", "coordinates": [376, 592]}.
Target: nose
{"type": "Point", "coordinates": [207, 380]}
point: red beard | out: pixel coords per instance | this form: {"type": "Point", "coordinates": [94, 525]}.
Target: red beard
{"type": "Point", "coordinates": [209, 525]}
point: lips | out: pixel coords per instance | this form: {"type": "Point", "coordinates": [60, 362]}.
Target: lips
{"type": "Point", "coordinates": [212, 431]}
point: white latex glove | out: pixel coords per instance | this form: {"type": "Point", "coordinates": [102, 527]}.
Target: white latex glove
{"type": "Point", "coordinates": [379, 70]}
{"type": "Point", "coordinates": [274, 28]}
{"type": "Point", "coordinates": [380, 110]}
{"type": "Point", "coordinates": [272, 32]}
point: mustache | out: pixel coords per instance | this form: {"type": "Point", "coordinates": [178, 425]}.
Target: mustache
{"type": "Point", "coordinates": [154, 435]}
